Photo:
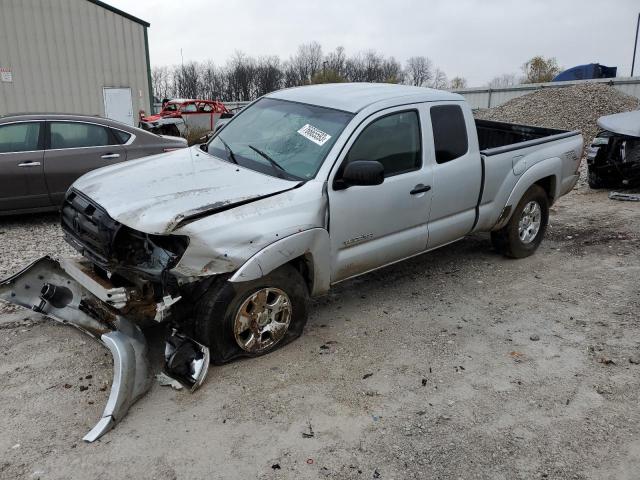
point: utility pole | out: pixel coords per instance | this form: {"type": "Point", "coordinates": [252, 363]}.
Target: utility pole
{"type": "Point", "coordinates": [635, 45]}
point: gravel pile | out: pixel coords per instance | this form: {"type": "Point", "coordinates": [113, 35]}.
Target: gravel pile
{"type": "Point", "coordinates": [570, 108]}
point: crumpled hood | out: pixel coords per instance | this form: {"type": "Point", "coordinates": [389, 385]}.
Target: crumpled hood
{"type": "Point", "coordinates": [625, 123]}
{"type": "Point", "coordinates": [155, 194]}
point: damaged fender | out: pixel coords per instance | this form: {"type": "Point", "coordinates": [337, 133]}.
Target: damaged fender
{"type": "Point", "coordinates": [159, 125]}
{"type": "Point", "coordinates": [313, 244]}
{"type": "Point", "coordinates": [131, 378]}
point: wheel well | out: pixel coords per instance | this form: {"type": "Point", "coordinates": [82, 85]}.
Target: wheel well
{"type": "Point", "coordinates": [548, 184]}
{"type": "Point", "coordinates": [304, 264]}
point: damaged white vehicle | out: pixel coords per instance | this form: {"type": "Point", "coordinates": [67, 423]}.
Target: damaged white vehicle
{"type": "Point", "coordinates": [306, 187]}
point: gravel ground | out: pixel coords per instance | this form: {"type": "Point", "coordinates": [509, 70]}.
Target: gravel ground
{"type": "Point", "coordinates": [27, 238]}
{"type": "Point", "coordinates": [571, 108]}
{"type": "Point", "coordinates": [455, 364]}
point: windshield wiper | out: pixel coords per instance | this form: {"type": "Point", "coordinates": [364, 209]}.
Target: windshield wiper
{"type": "Point", "coordinates": [232, 157]}
{"type": "Point", "coordinates": [273, 163]}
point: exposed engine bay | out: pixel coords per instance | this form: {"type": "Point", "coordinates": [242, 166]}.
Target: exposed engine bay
{"type": "Point", "coordinates": [613, 158]}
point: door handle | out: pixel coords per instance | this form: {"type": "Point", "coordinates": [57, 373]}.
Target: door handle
{"type": "Point", "coordinates": [110, 155]}
{"type": "Point", "coordinates": [420, 189]}
{"type": "Point", "coordinates": [29, 164]}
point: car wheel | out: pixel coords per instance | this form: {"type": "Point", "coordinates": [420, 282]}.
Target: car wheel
{"type": "Point", "coordinates": [525, 230]}
{"type": "Point", "coordinates": [249, 319]}
{"type": "Point", "coordinates": [595, 180]}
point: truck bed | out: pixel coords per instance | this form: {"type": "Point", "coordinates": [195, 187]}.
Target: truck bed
{"type": "Point", "coordinates": [499, 137]}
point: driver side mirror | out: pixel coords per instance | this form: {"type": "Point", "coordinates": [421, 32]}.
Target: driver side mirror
{"type": "Point", "coordinates": [363, 172]}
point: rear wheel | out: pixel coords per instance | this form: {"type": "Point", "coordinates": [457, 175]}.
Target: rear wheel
{"type": "Point", "coordinates": [249, 319]}
{"type": "Point", "coordinates": [525, 230]}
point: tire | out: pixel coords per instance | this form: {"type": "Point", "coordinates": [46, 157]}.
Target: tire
{"type": "Point", "coordinates": [217, 309]}
{"type": "Point", "coordinates": [595, 180]}
{"type": "Point", "coordinates": [508, 240]}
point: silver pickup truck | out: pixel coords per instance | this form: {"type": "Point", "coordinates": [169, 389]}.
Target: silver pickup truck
{"type": "Point", "coordinates": [304, 188]}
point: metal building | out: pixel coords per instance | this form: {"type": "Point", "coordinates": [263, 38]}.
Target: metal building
{"type": "Point", "coordinates": [73, 56]}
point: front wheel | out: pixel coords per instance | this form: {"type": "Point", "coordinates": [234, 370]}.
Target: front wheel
{"type": "Point", "coordinates": [521, 237]}
{"type": "Point", "coordinates": [249, 319]}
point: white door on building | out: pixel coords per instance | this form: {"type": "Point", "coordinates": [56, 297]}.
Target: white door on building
{"type": "Point", "coordinates": [118, 105]}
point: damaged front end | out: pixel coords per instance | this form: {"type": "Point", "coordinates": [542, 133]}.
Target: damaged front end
{"type": "Point", "coordinates": [613, 159]}
{"type": "Point", "coordinates": [167, 125]}
{"type": "Point", "coordinates": [122, 285]}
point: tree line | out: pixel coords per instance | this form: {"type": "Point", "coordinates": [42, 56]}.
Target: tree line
{"type": "Point", "coordinates": [244, 77]}
{"type": "Point", "coordinates": [537, 70]}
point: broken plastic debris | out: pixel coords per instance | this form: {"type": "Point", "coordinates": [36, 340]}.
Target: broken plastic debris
{"type": "Point", "coordinates": [625, 197]}
{"type": "Point", "coordinates": [166, 381]}
{"type": "Point", "coordinates": [309, 433]}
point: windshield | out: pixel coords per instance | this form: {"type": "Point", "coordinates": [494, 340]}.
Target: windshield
{"type": "Point", "coordinates": [279, 138]}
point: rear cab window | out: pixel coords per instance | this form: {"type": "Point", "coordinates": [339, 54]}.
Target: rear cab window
{"type": "Point", "coordinates": [449, 132]}
{"type": "Point", "coordinates": [20, 137]}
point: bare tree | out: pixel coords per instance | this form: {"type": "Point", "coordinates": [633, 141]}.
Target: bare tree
{"type": "Point", "coordinates": [371, 66]}
{"type": "Point", "coordinates": [355, 68]}
{"type": "Point", "coordinates": [161, 82]}
{"type": "Point", "coordinates": [418, 71]}
{"type": "Point", "coordinates": [458, 82]}
{"type": "Point", "coordinates": [336, 61]}
{"type": "Point", "coordinates": [245, 78]}
{"type": "Point", "coordinates": [212, 82]}
{"type": "Point", "coordinates": [289, 75]}
{"type": "Point", "coordinates": [268, 75]}
{"type": "Point", "coordinates": [439, 79]}
{"type": "Point", "coordinates": [503, 81]}
{"type": "Point", "coordinates": [240, 73]}
{"type": "Point", "coordinates": [307, 61]}
{"type": "Point", "coordinates": [540, 69]}
{"type": "Point", "coordinates": [392, 71]}
{"type": "Point", "coordinates": [186, 81]}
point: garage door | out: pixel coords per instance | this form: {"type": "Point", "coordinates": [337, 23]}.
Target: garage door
{"type": "Point", "coordinates": [117, 105]}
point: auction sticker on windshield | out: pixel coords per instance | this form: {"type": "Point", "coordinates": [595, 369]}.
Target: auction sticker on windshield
{"type": "Point", "coordinates": [314, 134]}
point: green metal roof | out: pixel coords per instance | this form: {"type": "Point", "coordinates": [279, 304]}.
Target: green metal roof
{"type": "Point", "coordinates": [120, 12]}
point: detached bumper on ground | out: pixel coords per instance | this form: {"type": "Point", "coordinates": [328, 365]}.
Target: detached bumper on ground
{"type": "Point", "coordinates": [65, 291]}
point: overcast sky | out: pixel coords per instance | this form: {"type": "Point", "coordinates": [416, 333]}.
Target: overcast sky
{"type": "Point", "coordinates": [474, 39]}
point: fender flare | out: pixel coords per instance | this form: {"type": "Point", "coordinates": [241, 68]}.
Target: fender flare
{"type": "Point", "coordinates": [550, 167]}
{"type": "Point", "coordinates": [313, 244]}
